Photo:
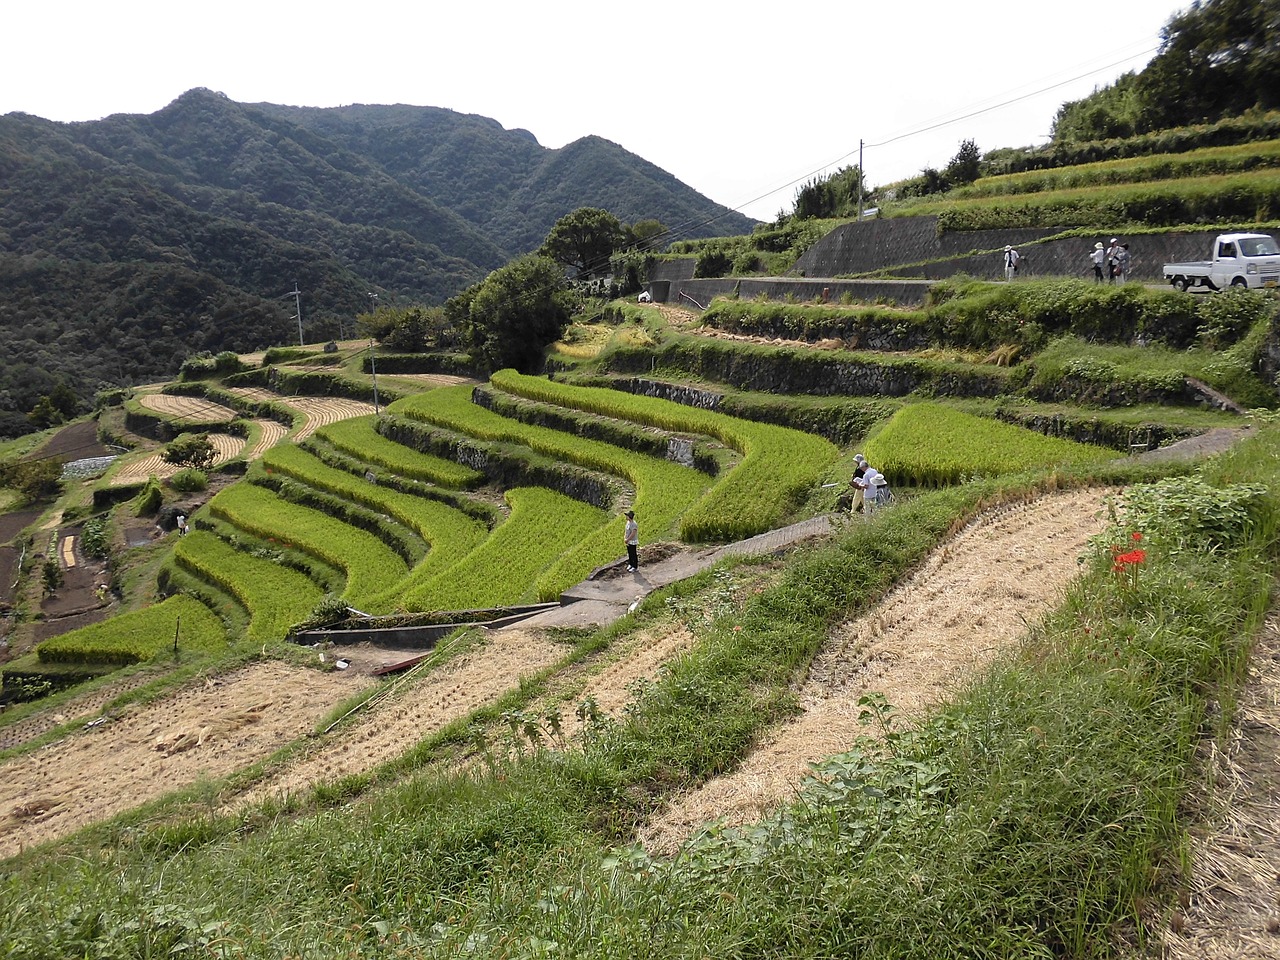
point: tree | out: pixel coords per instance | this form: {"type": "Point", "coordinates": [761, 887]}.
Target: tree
{"type": "Point", "coordinates": [965, 165]}
{"type": "Point", "coordinates": [56, 407]}
{"type": "Point", "coordinates": [193, 450]}
{"type": "Point", "coordinates": [643, 231]}
{"type": "Point", "coordinates": [835, 196]}
{"type": "Point", "coordinates": [584, 240]}
{"type": "Point", "coordinates": [511, 316]}
{"type": "Point", "coordinates": [35, 480]}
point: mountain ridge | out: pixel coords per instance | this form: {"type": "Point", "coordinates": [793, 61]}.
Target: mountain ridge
{"type": "Point", "coordinates": [242, 201]}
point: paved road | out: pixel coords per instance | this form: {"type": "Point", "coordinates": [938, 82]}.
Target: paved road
{"type": "Point", "coordinates": [594, 603]}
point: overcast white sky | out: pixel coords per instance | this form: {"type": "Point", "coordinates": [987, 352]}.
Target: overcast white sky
{"type": "Point", "coordinates": [742, 101]}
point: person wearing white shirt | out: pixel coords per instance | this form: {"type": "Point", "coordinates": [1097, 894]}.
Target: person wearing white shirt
{"type": "Point", "coordinates": [1011, 259]}
{"type": "Point", "coordinates": [871, 490]}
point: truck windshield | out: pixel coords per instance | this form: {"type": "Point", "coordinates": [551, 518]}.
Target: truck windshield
{"type": "Point", "coordinates": [1259, 247]}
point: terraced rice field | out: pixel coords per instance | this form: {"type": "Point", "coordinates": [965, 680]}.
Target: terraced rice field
{"type": "Point", "coordinates": [190, 409]}
{"type": "Point", "coordinates": [317, 411]}
{"type": "Point", "coordinates": [138, 471]}
{"type": "Point", "coordinates": [271, 434]}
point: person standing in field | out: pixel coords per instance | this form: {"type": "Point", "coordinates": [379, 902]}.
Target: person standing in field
{"type": "Point", "coordinates": [871, 491]}
{"type": "Point", "coordinates": [631, 537]}
{"type": "Point", "coordinates": [1011, 259]}
{"type": "Point", "coordinates": [1099, 257]}
{"type": "Point", "coordinates": [858, 483]}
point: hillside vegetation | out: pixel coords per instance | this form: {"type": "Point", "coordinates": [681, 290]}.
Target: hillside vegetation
{"type": "Point", "coordinates": [133, 242]}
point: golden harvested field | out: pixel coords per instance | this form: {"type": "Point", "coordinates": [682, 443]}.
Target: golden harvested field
{"type": "Point", "coordinates": [317, 411]}
{"type": "Point", "coordinates": [191, 409]}
{"type": "Point", "coordinates": [272, 433]}
{"type": "Point", "coordinates": [154, 465]}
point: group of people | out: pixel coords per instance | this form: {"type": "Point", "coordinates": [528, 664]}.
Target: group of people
{"type": "Point", "coordinates": [870, 488]}
{"type": "Point", "coordinates": [1110, 263]}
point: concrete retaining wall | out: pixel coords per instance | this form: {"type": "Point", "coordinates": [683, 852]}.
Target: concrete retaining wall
{"type": "Point", "coordinates": [901, 247]}
{"type": "Point", "coordinates": [910, 248]}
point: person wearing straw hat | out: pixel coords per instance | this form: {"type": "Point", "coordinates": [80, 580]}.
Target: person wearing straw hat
{"type": "Point", "coordinates": [1099, 257]}
{"type": "Point", "coordinates": [1011, 259]}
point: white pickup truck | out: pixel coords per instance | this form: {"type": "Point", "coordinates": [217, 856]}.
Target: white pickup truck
{"type": "Point", "coordinates": [1239, 260]}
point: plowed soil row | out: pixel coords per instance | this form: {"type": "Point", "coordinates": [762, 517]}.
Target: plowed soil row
{"type": "Point", "coordinates": [206, 730]}
{"type": "Point", "coordinates": [971, 599]}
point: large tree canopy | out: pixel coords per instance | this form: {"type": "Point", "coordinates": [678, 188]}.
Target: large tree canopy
{"type": "Point", "coordinates": [1218, 59]}
{"type": "Point", "coordinates": [508, 318]}
{"type": "Point", "coordinates": [584, 240]}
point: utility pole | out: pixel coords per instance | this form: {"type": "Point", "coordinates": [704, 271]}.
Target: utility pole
{"type": "Point", "coordinates": [373, 361]}
{"type": "Point", "coordinates": [297, 303]}
{"type": "Point", "coordinates": [859, 179]}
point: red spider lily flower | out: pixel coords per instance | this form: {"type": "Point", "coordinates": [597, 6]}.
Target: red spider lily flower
{"type": "Point", "coordinates": [1133, 556]}
{"type": "Point", "coordinates": [1135, 536]}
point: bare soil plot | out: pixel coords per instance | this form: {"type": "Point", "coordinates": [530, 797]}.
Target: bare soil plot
{"type": "Point", "coordinates": [972, 597]}
{"type": "Point", "coordinates": [154, 464]}
{"type": "Point", "coordinates": [424, 705]}
{"type": "Point", "coordinates": [76, 442]}
{"type": "Point", "coordinates": [190, 409]}
{"type": "Point", "coordinates": [206, 730]}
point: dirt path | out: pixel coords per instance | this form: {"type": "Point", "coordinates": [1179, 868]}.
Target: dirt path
{"type": "Point", "coordinates": [971, 598]}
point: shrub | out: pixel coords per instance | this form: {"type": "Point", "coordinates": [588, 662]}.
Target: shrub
{"type": "Point", "coordinates": [712, 263]}
{"type": "Point", "coordinates": [189, 481]}
{"type": "Point", "coordinates": [149, 499]}
{"type": "Point", "coordinates": [95, 538]}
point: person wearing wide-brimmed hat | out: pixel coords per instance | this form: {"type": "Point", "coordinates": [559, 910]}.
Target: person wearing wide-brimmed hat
{"type": "Point", "coordinates": [1099, 257]}
{"type": "Point", "coordinates": [1011, 259]}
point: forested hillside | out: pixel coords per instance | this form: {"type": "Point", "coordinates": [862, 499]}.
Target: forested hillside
{"type": "Point", "coordinates": [130, 242]}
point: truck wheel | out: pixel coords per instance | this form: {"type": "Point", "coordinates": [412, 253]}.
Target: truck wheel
{"type": "Point", "coordinates": [1240, 282]}
{"type": "Point", "coordinates": [1180, 283]}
